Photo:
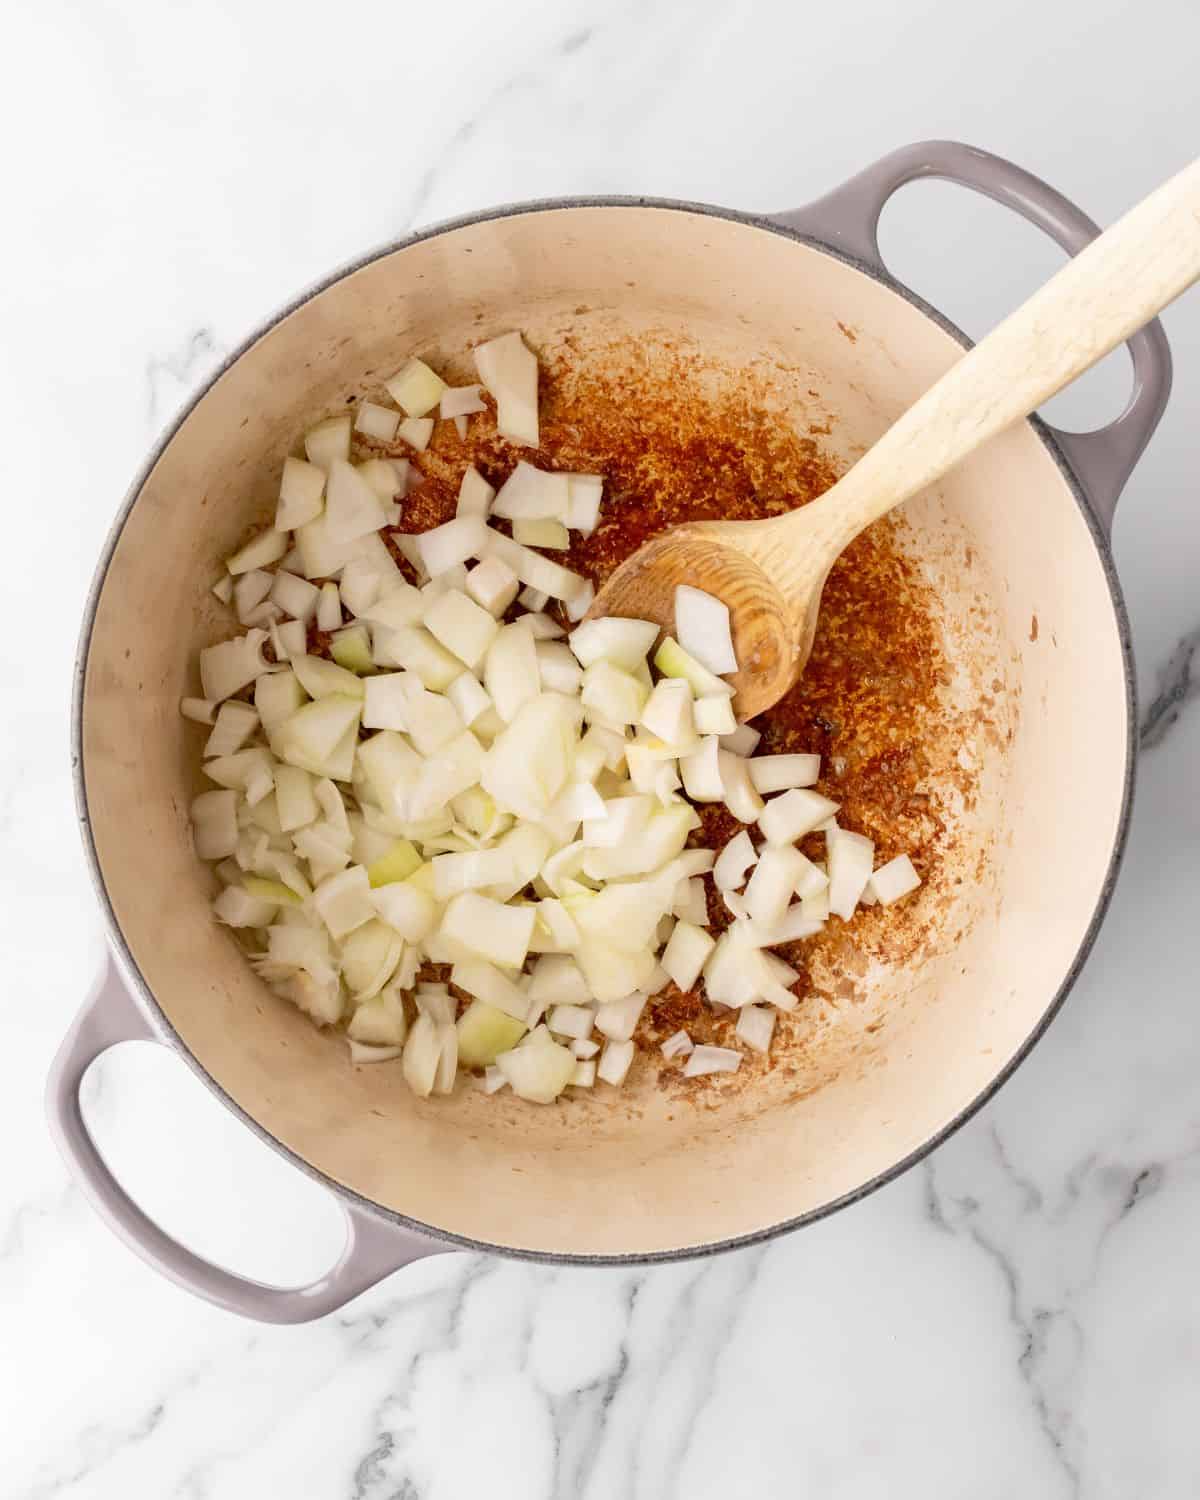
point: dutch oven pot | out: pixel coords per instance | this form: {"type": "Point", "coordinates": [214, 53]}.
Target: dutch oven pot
{"type": "Point", "coordinates": [637, 1175]}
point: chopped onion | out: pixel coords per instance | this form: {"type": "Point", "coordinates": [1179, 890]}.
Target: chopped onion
{"type": "Point", "coordinates": [686, 954]}
{"type": "Point", "coordinates": [738, 791]}
{"type": "Point", "coordinates": [422, 1054]}
{"type": "Point", "coordinates": [485, 1032]}
{"type": "Point", "coordinates": [328, 440]}
{"type": "Point", "coordinates": [292, 638]}
{"type": "Point", "coordinates": [729, 872]}
{"type": "Point", "coordinates": [615, 1062]}
{"type": "Point", "coordinates": [673, 661]}
{"type": "Point", "coordinates": [778, 773]}
{"type": "Point", "coordinates": [379, 422]}
{"type": "Point", "coordinates": [446, 546]}
{"type": "Point", "coordinates": [573, 1021]}
{"type": "Point", "coordinates": [460, 401]}
{"type": "Point", "coordinates": [510, 372]}
{"type": "Point", "coordinates": [690, 904]}
{"type": "Point", "coordinates": [755, 1027]}
{"type": "Point", "coordinates": [893, 881]}
{"type": "Point", "coordinates": [413, 647]}
{"type": "Point", "coordinates": [622, 642]}
{"type": "Point", "coordinates": [415, 388]}
{"type": "Point", "coordinates": [416, 432]}
{"type": "Point", "coordinates": [772, 884]}
{"type": "Point", "coordinates": [715, 716]}
{"type": "Point", "coordinates": [550, 534]}
{"type": "Point", "coordinates": [533, 568]}
{"type": "Point", "coordinates": [701, 772]}
{"type": "Point", "coordinates": [352, 508]}
{"type": "Point", "coordinates": [668, 713]}
{"type": "Point", "coordinates": [790, 816]}
{"type": "Point", "coordinates": [704, 1060]}
{"type": "Point", "coordinates": [584, 494]}
{"type": "Point", "coordinates": [679, 1044]}
{"type": "Point", "coordinates": [539, 1069]}
{"type": "Point", "coordinates": [581, 601]}
{"type": "Point", "coordinates": [530, 494]}
{"type": "Point", "coordinates": [261, 552]}
{"type": "Point", "coordinates": [743, 741]}
{"type": "Point", "coordinates": [230, 666]}
{"type": "Point", "coordinates": [584, 1075]}
{"type": "Point", "coordinates": [493, 585]}
{"type": "Point", "coordinates": [296, 596]}
{"type": "Point", "coordinates": [851, 857]}
{"type": "Point", "coordinates": [702, 626]}
{"type": "Point", "coordinates": [617, 1019]}
{"type": "Point", "coordinates": [488, 929]}
{"type": "Point", "coordinates": [475, 494]}
{"type": "Point", "coordinates": [462, 626]}
{"type": "Point", "coordinates": [235, 723]}
{"type": "Point", "coordinates": [214, 824]}
{"type": "Point", "coordinates": [223, 588]}
{"type": "Point", "coordinates": [199, 710]}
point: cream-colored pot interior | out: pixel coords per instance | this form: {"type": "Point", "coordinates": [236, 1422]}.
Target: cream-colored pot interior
{"type": "Point", "coordinates": [644, 1171]}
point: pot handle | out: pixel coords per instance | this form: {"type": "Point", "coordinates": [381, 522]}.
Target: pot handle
{"type": "Point", "coordinates": [373, 1249]}
{"type": "Point", "coordinates": [847, 220]}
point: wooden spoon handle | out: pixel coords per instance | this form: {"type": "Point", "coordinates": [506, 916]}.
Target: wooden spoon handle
{"type": "Point", "coordinates": [1108, 291]}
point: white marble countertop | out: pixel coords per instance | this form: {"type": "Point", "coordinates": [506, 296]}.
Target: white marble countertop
{"type": "Point", "coordinates": [1018, 1317]}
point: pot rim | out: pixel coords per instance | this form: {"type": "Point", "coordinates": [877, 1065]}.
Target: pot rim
{"type": "Point", "coordinates": [142, 991]}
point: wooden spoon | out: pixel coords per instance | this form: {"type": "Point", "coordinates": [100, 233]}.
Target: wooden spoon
{"type": "Point", "coordinates": [771, 573]}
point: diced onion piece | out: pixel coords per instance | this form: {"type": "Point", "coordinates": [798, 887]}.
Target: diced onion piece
{"type": "Point", "coordinates": [351, 649]}
{"type": "Point", "coordinates": [343, 901]}
{"type": "Point", "coordinates": [615, 1062]}
{"type": "Point", "coordinates": [537, 1071]}
{"type": "Point", "coordinates": [772, 884]}
{"type": "Point", "coordinates": [585, 1048]}
{"type": "Point", "coordinates": [702, 626]}
{"type": "Point", "coordinates": [294, 800]}
{"type": "Point", "coordinates": [386, 476]}
{"type": "Point", "coordinates": [816, 906]}
{"type": "Point", "coordinates": [473, 870]}
{"type": "Point", "coordinates": [385, 701]}
{"type": "Point", "coordinates": [779, 773]}
{"type": "Point", "coordinates": [469, 698]}
{"type": "Point", "coordinates": [791, 815]}
{"type": "Point", "coordinates": [493, 585]}
{"type": "Point", "coordinates": [475, 494]}
{"type": "Point", "coordinates": [715, 716]}
{"type": "Point", "coordinates": [319, 678]}
{"type": "Point", "coordinates": [743, 741]}
{"type": "Point", "coordinates": [530, 494]}
{"type": "Point", "coordinates": [549, 534]}
{"type": "Point", "coordinates": [701, 772]}
{"type": "Point", "coordinates": [462, 626]}
{"type": "Point", "coordinates": [320, 737]}
{"type": "Point", "coordinates": [484, 1032]}
{"type": "Point", "coordinates": [488, 929]}
{"type": "Point", "coordinates": [446, 546]}
{"type": "Point", "coordinates": [365, 1052]}
{"type": "Point", "coordinates": [223, 588]}
{"type": "Point", "coordinates": [229, 666]}
{"type": "Point", "coordinates": [617, 1019]}
{"type": "Point", "coordinates": [558, 670]}
{"type": "Point", "coordinates": [411, 911]}
{"type": "Point", "coordinates": [738, 792]}
{"type": "Point", "coordinates": [851, 857]}
{"type": "Point", "coordinates": [292, 638]}
{"type": "Point", "coordinates": [704, 1060]}
{"type": "Point", "coordinates": [260, 552]}
{"type": "Point", "coordinates": [668, 712]}
{"type": "Point", "coordinates": [622, 642]}
{"type": "Point", "coordinates": [511, 674]}
{"type": "Point", "coordinates": [360, 586]}
{"type": "Point", "coordinates": [235, 723]}
{"type": "Point", "coordinates": [894, 880]}
{"type": "Point", "coordinates": [199, 710]}
{"type": "Point", "coordinates": [686, 953]}
{"type": "Point", "coordinates": [295, 596]}
{"type": "Point", "coordinates": [755, 1027]}
{"type": "Point", "coordinates": [574, 1021]}
{"type": "Point", "coordinates": [584, 494]}
{"type": "Point", "coordinates": [300, 494]}
{"type": "Point", "coordinates": [679, 1044]}
{"type": "Point", "coordinates": [729, 872]}
{"type": "Point", "coordinates": [320, 555]}
{"type": "Point", "coordinates": [493, 1081]}
{"type": "Point", "coordinates": [422, 1054]}
{"type": "Point", "coordinates": [328, 440]}
{"type": "Point", "coordinates": [460, 401]}
{"type": "Point", "coordinates": [535, 569]}
{"type": "Point", "coordinates": [613, 694]}
{"type": "Point", "coordinates": [415, 388]}
{"type": "Point", "coordinates": [416, 432]}
{"type": "Point", "coordinates": [690, 903]}
{"type": "Point", "coordinates": [397, 862]}
{"type": "Point", "coordinates": [238, 907]}
{"type": "Point", "coordinates": [379, 422]}
{"type": "Point", "coordinates": [673, 661]}
{"type": "Point", "coordinates": [352, 508]}
{"type": "Point", "coordinates": [584, 1075]}
{"type": "Point", "coordinates": [510, 372]}
{"type": "Point", "coordinates": [214, 824]}
{"type": "Point", "coordinates": [581, 601]}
